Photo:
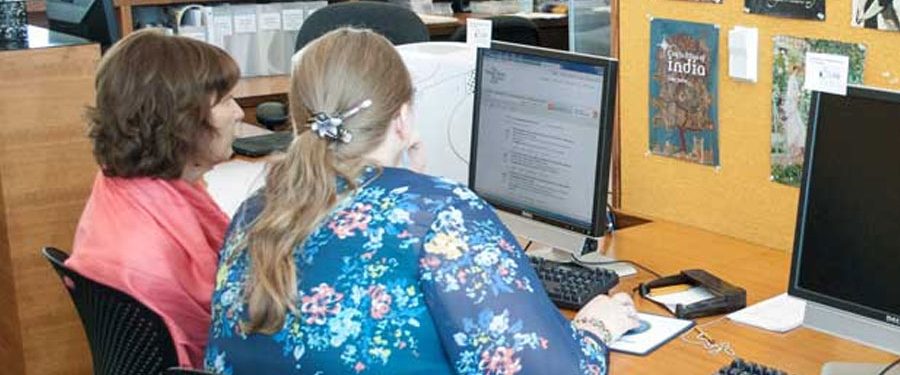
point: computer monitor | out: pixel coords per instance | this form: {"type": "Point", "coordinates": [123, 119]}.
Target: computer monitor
{"type": "Point", "coordinates": [846, 260]}
{"type": "Point", "coordinates": [443, 74]}
{"type": "Point", "coordinates": [541, 139]}
{"type": "Point", "coordinates": [94, 20]}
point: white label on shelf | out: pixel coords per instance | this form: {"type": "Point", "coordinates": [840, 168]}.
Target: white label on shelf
{"type": "Point", "coordinates": [270, 21]}
{"type": "Point", "coordinates": [244, 23]}
{"type": "Point", "coordinates": [292, 18]}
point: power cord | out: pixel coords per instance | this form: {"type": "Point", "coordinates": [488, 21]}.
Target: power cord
{"type": "Point", "coordinates": [889, 367]}
{"type": "Point", "coordinates": [610, 219]}
{"type": "Point", "coordinates": [711, 345]}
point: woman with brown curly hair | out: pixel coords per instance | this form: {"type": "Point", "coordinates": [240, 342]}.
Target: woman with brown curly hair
{"type": "Point", "coordinates": [164, 115]}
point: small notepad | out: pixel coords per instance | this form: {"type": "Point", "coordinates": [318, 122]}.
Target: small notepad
{"type": "Point", "coordinates": [655, 331]}
{"type": "Point", "coordinates": [781, 313]}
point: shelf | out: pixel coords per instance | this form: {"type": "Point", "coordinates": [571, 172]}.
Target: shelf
{"type": "Point", "coordinates": [120, 3]}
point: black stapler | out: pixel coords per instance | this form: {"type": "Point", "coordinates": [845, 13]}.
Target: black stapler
{"type": "Point", "coordinates": [727, 297]}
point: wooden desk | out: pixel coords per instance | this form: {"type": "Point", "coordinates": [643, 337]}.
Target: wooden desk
{"type": "Point", "coordinates": [669, 248]}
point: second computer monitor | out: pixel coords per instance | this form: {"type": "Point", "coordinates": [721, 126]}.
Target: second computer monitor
{"type": "Point", "coordinates": [541, 140]}
{"type": "Point", "coordinates": [846, 259]}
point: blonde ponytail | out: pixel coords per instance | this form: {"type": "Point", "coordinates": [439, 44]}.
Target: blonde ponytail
{"type": "Point", "coordinates": [336, 72]}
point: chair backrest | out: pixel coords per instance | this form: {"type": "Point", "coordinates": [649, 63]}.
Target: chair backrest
{"type": "Point", "coordinates": [125, 336]}
{"type": "Point", "coordinates": [511, 29]}
{"type": "Point", "coordinates": [398, 24]}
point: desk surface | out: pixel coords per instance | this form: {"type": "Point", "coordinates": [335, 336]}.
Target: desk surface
{"type": "Point", "coordinates": [255, 87]}
{"type": "Point", "coordinates": [668, 248]}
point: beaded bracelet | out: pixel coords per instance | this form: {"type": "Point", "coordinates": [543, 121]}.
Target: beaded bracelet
{"type": "Point", "coordinates": [597, 324]}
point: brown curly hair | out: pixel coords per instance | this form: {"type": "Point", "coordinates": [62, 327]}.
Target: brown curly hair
{"type": "Point", "coordinates": [154, 97]}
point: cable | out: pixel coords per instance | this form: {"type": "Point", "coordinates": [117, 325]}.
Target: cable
{"type": "Point", "coordinates": [449, 127]}
{"type": "Point", "coordinates": [712, 346]}
{"type": "Point", "coordinates": [889, 367]}
{"type": "Point", "coordinates": [633, 263]}
{"type": "Point", "coordinates": [610, 218]}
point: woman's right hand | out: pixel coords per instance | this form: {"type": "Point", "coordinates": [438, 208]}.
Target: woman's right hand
{"type": "Point", "coordinates": [617, 313]}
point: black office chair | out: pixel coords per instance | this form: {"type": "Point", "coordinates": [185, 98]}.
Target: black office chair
{"type": "Point", "coordinates": [125, 336]}
{"type": "Point", "coordinates": [398, 24]}
{"type": "Point", "coordinates": [511, 29]}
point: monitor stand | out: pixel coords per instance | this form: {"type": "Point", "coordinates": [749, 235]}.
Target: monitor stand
{"type": "Point", "coordinates": [850, 368]}
{"type": "Point", "coordinates": [853, 327]}
{"type": "Point", "coordinates": [564, 256]}
{"type": "Point", "coordinates": [558, 245]}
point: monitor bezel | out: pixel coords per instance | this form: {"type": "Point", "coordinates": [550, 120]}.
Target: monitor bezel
{"type": "Point", "coordinates": [604, 153]}
{"type": "Point", "coordinates": [794, 289]}
{"type": "Point", "coordinates": [94, 20]}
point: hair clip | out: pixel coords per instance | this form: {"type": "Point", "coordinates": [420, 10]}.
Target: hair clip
{"type": "Point", "coordinates": [331, 127]}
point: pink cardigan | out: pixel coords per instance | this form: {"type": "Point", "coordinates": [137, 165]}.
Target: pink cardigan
{"type": "Point", "coordinates": [157, 240]}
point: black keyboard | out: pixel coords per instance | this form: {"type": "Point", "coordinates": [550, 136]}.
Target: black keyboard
{"type": "Point", "coordinates": [571, 286]}
{"type": "Point", "coordinates": [742, 367]}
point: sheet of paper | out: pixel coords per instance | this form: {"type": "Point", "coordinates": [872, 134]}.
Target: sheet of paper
{"type": "Point", "coordinates": [431, 19]}
{"type": "Point", "coordinates": [743, 50]}
{"type": "Point", "coordinates": [827, 73]}
{"type": "Point", "coordinates": [244, 129]}
{"type": "Point", "coordinates": [223, 25]}
{"type": "Point", "coordinates": [655, 330]}
{"type": "Point", "coordinates": [781, 313]}
{"type": "Point", "coordinates": [232, 182]}
{"type": "Point", "coordinates": [687, 297]}
{"type": "Point", "coordinates": [538, 15]}
{"type": "Point", "coordinates": [478, 32]}
{"type": "Point", "coordinates": [194, 34]}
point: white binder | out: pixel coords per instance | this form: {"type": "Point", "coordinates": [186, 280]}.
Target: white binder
{"type": "Point", "coordinates": [242, 45]}
{"type": "Point", "coordinates": [269, 40]}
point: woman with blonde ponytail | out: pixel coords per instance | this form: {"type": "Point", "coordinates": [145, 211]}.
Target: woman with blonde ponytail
{"type": "Point", "coordinates": [347, 263]}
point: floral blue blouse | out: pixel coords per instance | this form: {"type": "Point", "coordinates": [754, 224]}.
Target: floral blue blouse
{"type": "Point", "coordinates": [410, 275]}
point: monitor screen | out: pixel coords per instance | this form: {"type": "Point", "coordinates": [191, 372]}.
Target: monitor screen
{"type": "Point", "coordinates": [541, 134]}
{"type": "Point", "coordinates": [847, 244]}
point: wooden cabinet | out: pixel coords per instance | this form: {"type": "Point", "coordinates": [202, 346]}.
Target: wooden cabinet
{"type": "Point", "coordinates": [46, 172]}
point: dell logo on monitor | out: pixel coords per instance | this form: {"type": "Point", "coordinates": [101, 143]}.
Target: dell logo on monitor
{"type": "Point", "coordinates": [893, 319]}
